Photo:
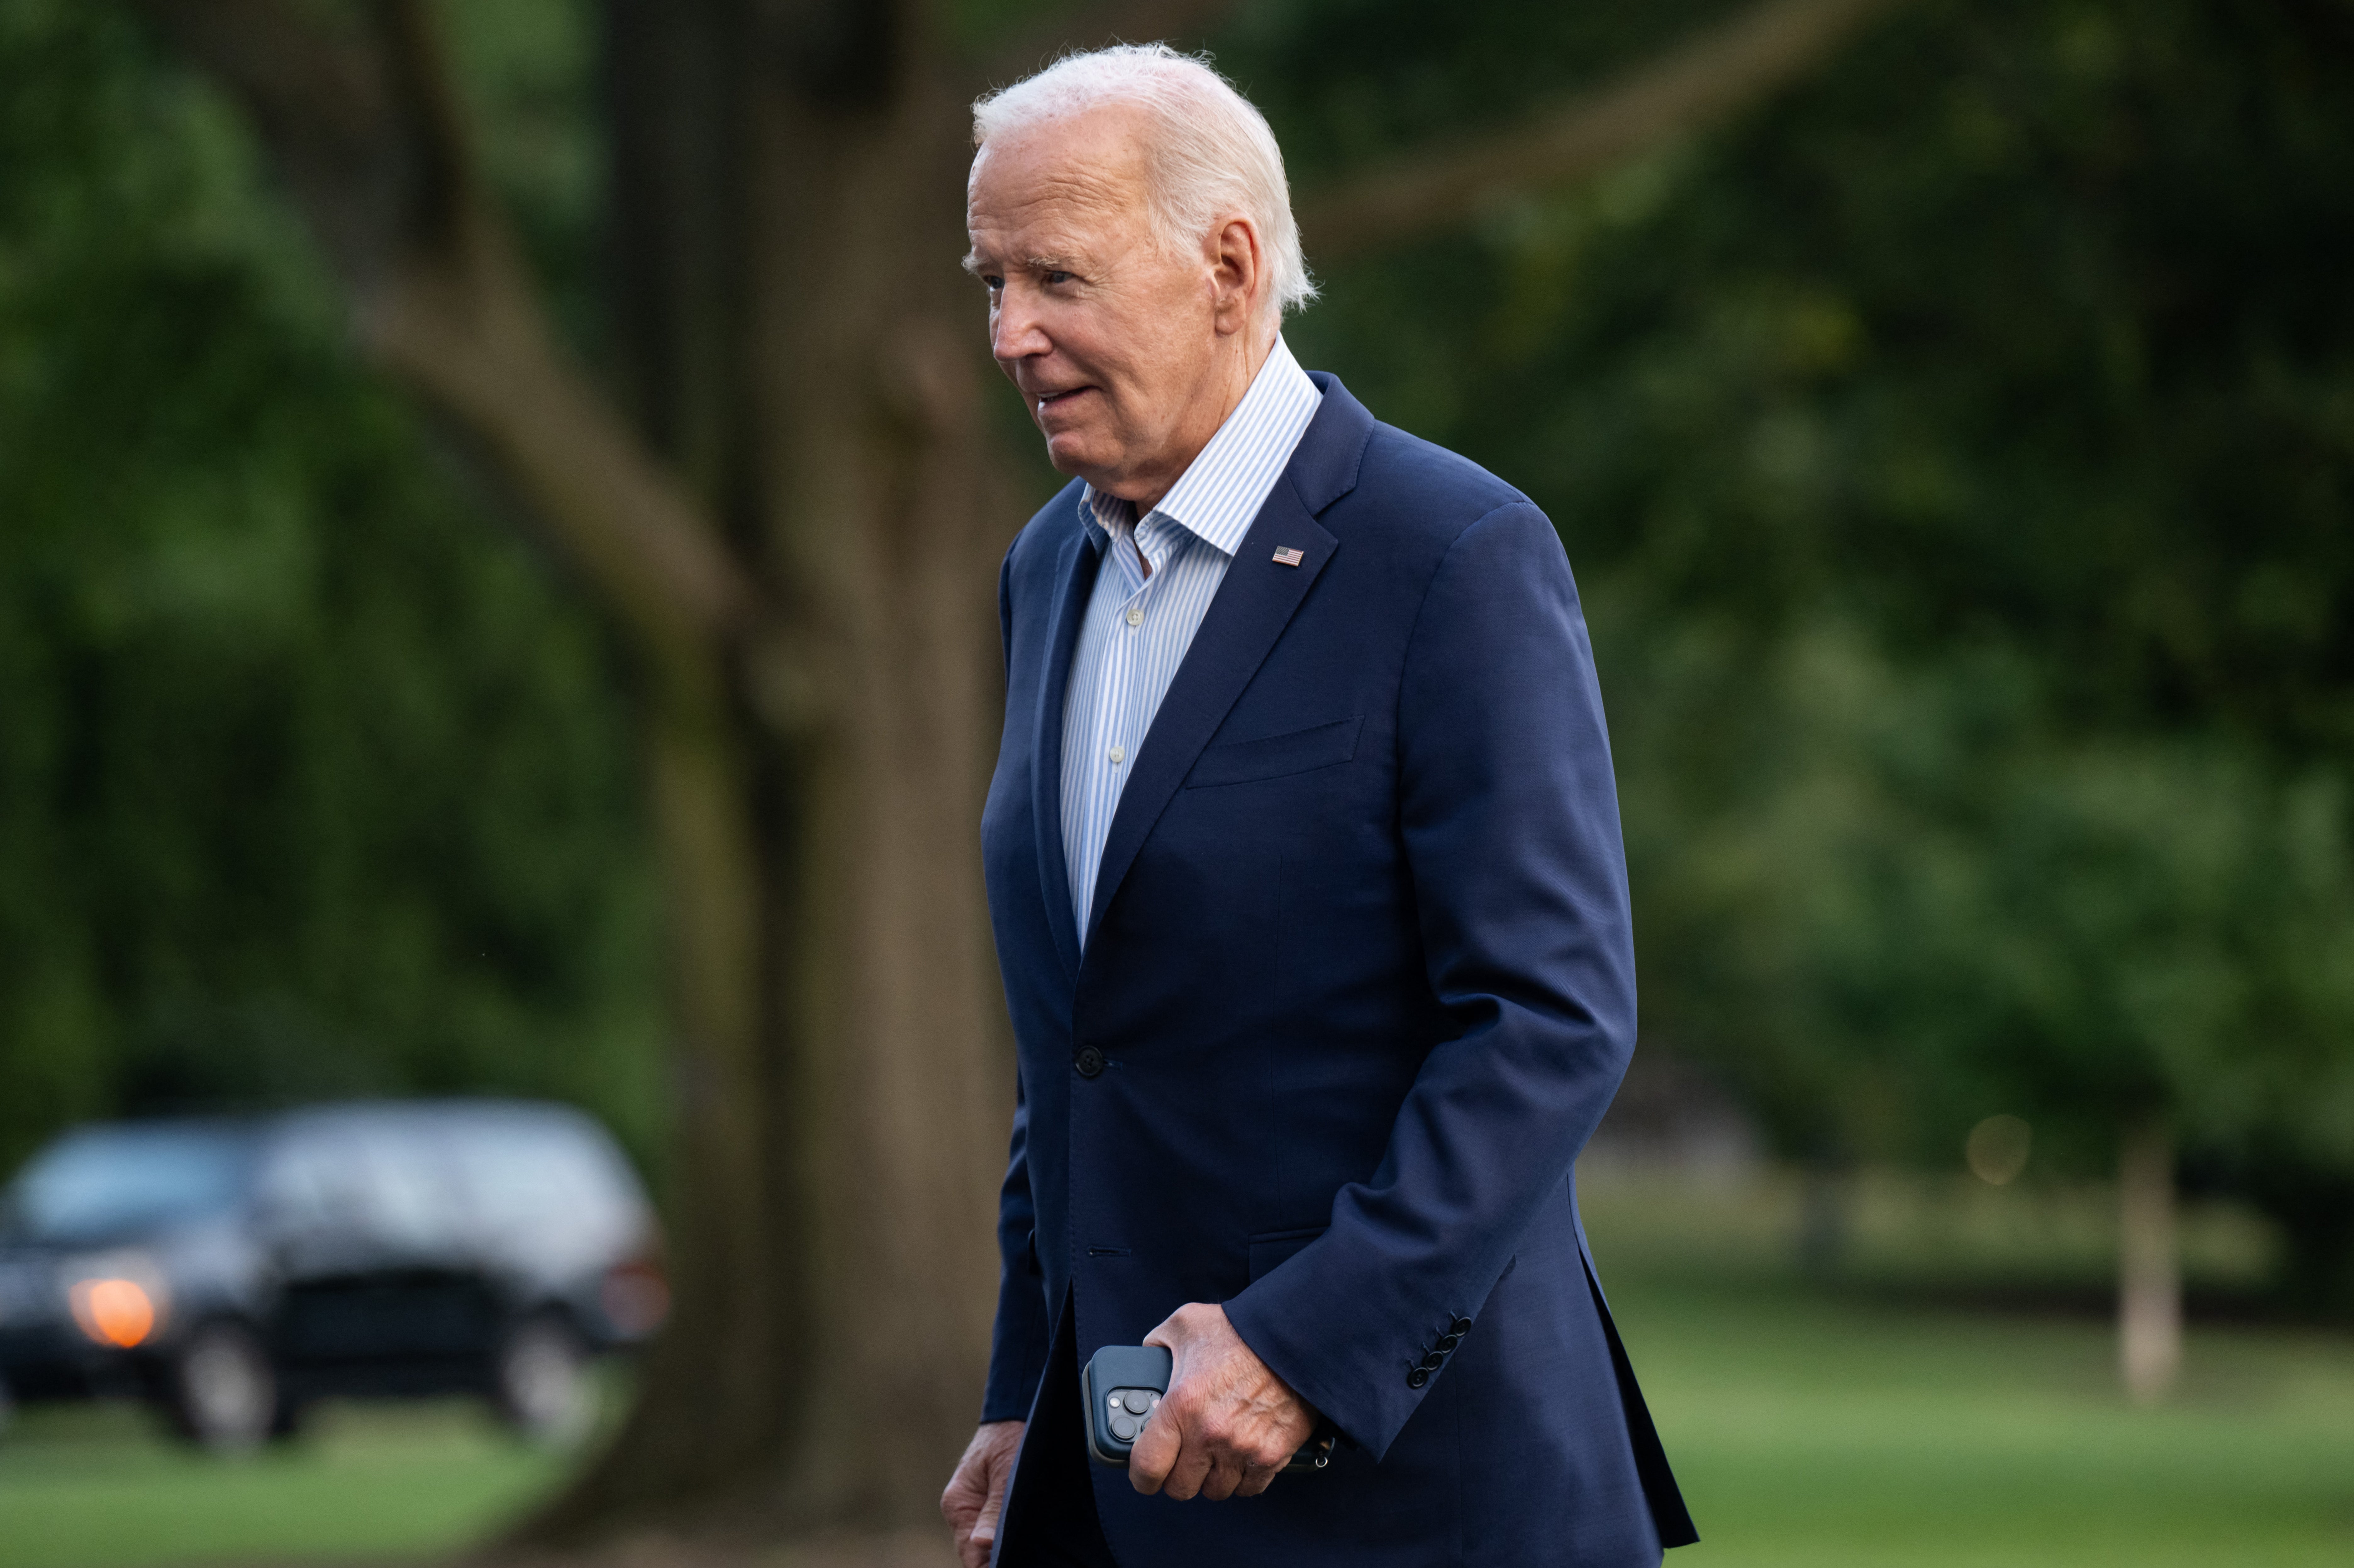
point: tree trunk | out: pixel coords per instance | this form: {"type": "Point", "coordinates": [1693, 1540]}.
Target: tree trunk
{"type": "Point", "coordinates": [1826, 1201]}
{"type": "Point", "coordinates": [2149, 1271]}
{"type": "Point", "coordinates": [807, 351]}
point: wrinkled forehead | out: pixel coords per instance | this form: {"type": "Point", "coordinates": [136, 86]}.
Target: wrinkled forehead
{"type": "Point", "coordinates": [1080, 172]}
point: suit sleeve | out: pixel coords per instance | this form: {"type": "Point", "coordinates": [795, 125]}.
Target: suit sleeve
{"type": "Point", "coordinates": [1510, 821]}
{"type": "Point", "coordinates": [1017, 1348]}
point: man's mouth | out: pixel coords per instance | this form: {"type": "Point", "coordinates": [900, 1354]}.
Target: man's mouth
{"type": "Point", "coordinates": [1052, 399]}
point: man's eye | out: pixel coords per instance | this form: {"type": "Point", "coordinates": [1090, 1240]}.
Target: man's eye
{"type": "Point", "coordinates": [993, 282]}
{"type": "Point", "coordinates": [1053, 278]}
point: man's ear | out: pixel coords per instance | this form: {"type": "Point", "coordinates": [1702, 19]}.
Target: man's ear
{"type": "Point", "coordinates": [1237, 274]}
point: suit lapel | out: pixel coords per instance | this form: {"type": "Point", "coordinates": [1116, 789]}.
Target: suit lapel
{"type": "Point", "coordinates": [1253, 605]}
{"type": "Point", "coordinates": [1075, 577]}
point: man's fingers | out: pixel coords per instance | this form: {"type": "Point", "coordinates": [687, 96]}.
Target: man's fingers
{"type": "Point", "coordinates": [957, 1504]}
{"type": "Point", "coordinates": [1224, 1412]}
{"type": "Point", "coordinates": [1257, 1479]}
{"type": "Point", "coordinates": [1154, 1452]}
{"type": "Point", "coordinates": [998, 1475]}
{"type": "Point", "coordinates": [1186, 1475]}
{"type": "Point", "coordinates": [1183, 1464]}
{"type": "Point", "coordinates": [972, 1552]}
{"type": "Point", "coordinates": [975, 1495]}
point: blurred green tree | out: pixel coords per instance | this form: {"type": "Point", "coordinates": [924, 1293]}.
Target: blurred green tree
{"type": "Point", "coordinates": [1958, 460]}
{"type": "Point", "coordinates": [309, 783]}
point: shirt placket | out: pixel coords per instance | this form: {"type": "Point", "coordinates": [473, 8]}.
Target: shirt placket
{"type": "Point", "coordinates": [1151, 540]}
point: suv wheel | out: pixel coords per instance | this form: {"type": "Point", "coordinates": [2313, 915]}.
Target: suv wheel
{"type": "Point", "coordinates": [223, 1394]}
{"type": "Point", "coordinates": [541, 1384]}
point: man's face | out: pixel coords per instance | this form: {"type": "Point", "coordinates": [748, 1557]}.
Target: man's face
{"type": "Point", "coordinates": [1110, 338]}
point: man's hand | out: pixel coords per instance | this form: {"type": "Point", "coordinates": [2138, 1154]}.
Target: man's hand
{"type": "Point", "coordinates": [1226, 1425]}
{"type": "Point", "coordinates": [976, 1493]}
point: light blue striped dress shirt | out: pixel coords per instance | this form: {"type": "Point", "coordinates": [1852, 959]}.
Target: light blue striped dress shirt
{"type": "Point", "coordinates": [1139, 624]}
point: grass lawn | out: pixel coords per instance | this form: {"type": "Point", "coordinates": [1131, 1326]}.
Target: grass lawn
{"type": "Point", "coordinates": [1814, 1434]}
{"type": "Point", "coordinates": [1811, 1427]}
{"type": "Point", "coordinates": [1830, 1428]}
{"type": "Point", "coordinates": [99, 1488]}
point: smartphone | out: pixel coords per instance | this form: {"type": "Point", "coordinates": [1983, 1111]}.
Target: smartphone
{"type": "Point", "coordinates": [1123, 1384]}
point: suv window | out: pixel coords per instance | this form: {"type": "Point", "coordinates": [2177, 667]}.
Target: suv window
{"type": "Point", "coordinates": [381, 1179]}
{"type": "Point", "coordinates": [107, 1182]}
{"type": "Point", "coordinates": [543, 1185]}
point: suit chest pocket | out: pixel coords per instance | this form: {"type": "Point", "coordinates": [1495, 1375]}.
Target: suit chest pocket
{"type": "Point", "coordinates": [1277, 756]}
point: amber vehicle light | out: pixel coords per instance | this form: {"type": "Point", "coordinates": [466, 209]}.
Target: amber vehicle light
{"type": "Point", "coordinates": [113, 1311]}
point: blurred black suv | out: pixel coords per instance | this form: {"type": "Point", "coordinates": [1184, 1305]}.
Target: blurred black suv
{"type": "Point", "coordinates": [233, 1272]}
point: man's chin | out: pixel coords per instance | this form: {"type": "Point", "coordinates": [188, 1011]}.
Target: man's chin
{"type": "Point", "coordinates": [1071, 451]}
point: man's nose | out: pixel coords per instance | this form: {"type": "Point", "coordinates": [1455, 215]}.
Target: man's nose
{"type": "Point", "coordinates": [1014, 333]}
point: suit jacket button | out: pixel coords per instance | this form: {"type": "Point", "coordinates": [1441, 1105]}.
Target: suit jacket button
{"type": "Point", "coordinates": [1446, 1343]}
{"type": "Point", "coordinates": [1090, 1062]}
{"type": "Point", "coordinates": [1462, 1326]}
{"type": "Point", "coordinates": [1416, 1378]}
{"type": "Point", "coordinates": [1433, 1362]}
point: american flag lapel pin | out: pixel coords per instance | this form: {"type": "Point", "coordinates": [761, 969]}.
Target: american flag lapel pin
{"type": "Point", "coordinates": [1287, 556]}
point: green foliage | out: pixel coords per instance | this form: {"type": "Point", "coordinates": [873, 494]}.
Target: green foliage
{"type": "Point", "coordinates": [1919, 899]}
{"type": "Point", "coordinates": [526, 70]}
{"type": "Point", "coordinates": [1957, 456]}
{"type": "Point", "coordinates": [311, 780]}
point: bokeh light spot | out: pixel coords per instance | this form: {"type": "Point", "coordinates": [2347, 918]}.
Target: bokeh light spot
{"type": "Point", "coordinates": [1998, 1148]}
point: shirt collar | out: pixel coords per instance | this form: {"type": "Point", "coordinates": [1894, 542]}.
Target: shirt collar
{"type": "Point", "coordinates": [1221, 490]}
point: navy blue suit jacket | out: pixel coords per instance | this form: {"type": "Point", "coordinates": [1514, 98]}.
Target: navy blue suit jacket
{"type": "Point", "coordinates": [1358, 985]}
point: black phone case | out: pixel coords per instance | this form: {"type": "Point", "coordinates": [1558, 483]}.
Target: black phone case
{"type": "Point", "coordinates": [1117, 1378]}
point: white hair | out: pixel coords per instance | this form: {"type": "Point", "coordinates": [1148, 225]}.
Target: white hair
{"type": "Point", "coordinates": [1212, 155]}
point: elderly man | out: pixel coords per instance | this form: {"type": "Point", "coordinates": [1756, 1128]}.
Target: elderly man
{"type": "Point", "coordinates": [1304, 864]}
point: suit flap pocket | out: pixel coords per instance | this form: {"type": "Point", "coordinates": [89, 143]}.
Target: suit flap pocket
{"type": "Point", "coordinates": [1275, 1247]}
{"type": "Point", "coordinates": [1241, 761]}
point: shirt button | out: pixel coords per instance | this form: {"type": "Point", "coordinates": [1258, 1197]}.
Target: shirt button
{"type": "Point", "coordinates": [1118, 754]}
{"type": "Point", "coordinates": [1135, 616]}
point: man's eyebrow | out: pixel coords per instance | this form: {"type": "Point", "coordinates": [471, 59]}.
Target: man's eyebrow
{"type": "Point", "coordinates": [973, 263]}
